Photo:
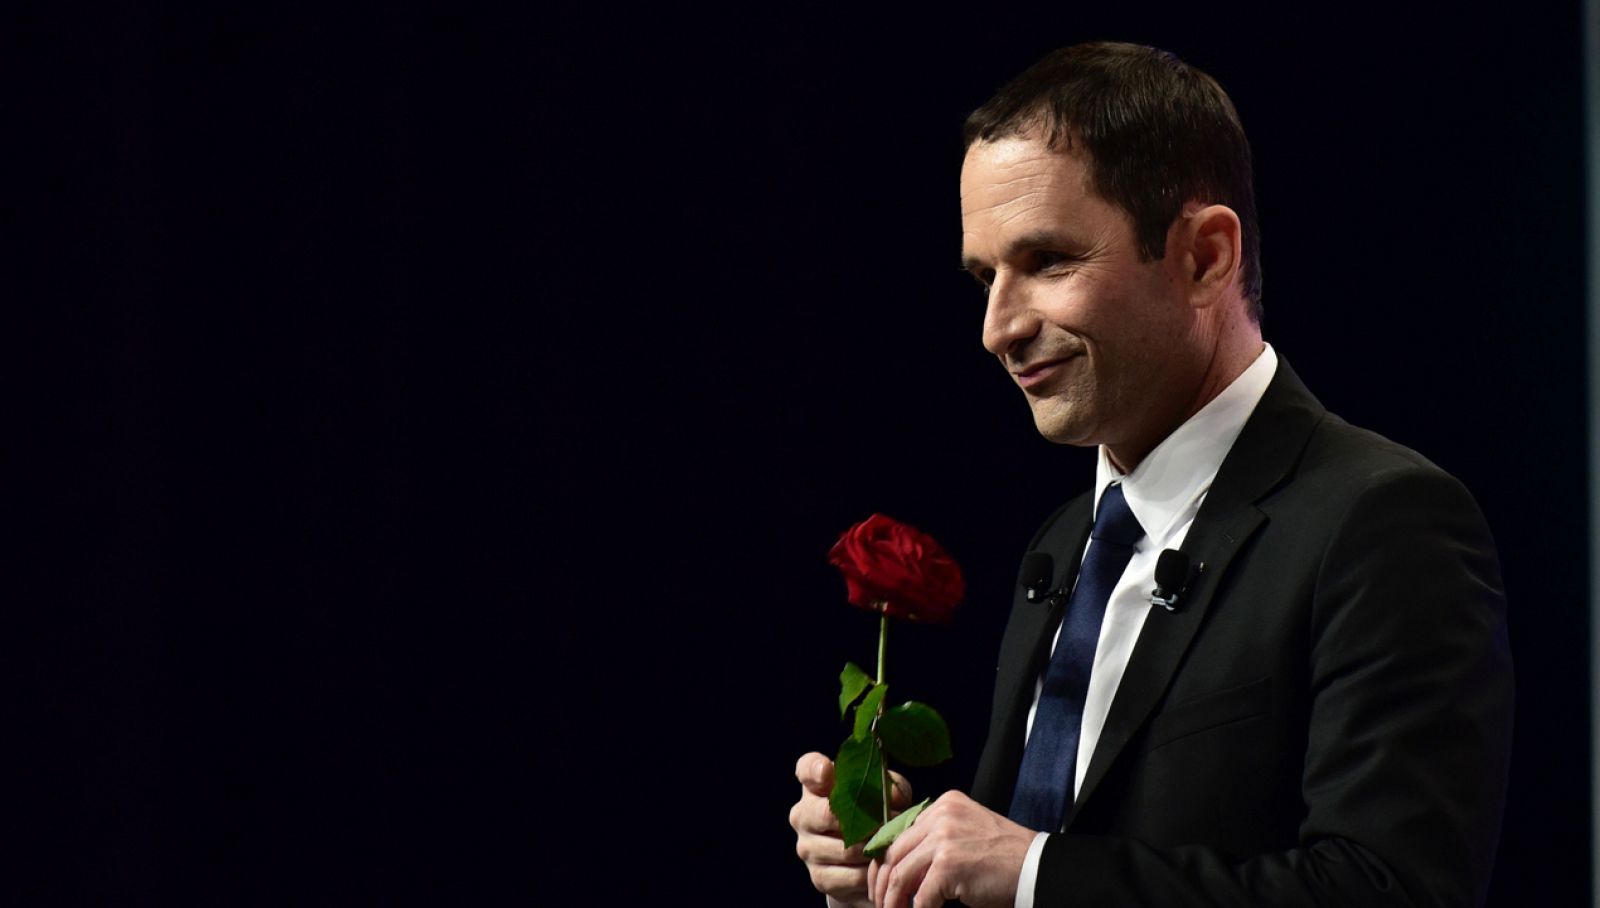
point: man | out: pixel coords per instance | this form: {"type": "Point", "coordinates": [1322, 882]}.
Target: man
{"type": "Point", "coordinates": [1323, 715]}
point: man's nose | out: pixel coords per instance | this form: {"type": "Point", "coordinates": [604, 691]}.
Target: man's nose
{"type": "Point", "coordinates": [1008, 322]}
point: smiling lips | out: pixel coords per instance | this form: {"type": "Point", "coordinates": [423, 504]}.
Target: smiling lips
{"type": "Point", "coordinates": [1041, 371]}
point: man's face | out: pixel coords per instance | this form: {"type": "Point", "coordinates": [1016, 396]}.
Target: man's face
{"type": "Point", "coordinates": [1098, 341]}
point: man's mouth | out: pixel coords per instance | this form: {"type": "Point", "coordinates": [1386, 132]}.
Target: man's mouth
{"type": "Point", "coordinates": [1042, 371]}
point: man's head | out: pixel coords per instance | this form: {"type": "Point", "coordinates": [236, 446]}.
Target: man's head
{"type": "Point", "coordinates": [1157, 132]}
{"type": "Point", "coordinates": [1116, 268]}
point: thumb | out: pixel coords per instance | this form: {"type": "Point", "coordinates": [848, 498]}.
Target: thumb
{"type": "Point", "coordinates": [815, 773]}
{"type": "Point", "coordinates": [901, 797]}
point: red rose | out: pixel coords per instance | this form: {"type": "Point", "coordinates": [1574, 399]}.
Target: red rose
{"type": "Point", "coordinates": [898, 569]}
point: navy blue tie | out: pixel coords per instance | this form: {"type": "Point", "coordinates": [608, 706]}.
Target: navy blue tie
{"type": "Point", "coordinates": [1049, 764]}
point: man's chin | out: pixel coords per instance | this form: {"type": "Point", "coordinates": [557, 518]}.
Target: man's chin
{"type": "Point", "coordinates": [1062, 428]}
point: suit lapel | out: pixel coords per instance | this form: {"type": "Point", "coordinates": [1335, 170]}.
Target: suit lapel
{"type": "Point", "coordinates": [1264, 454]}
{"type": "Point", "coordinates": [1023, 652]}
{"type": "Point", "coordinates": [1036, 624]}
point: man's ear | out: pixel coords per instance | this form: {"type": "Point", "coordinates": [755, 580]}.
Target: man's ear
{"type": "Point", "coordinates": [1211, 244]}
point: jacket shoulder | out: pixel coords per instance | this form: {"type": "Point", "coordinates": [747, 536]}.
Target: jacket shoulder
{"type": "Point", "coordinates": [1356, 459]}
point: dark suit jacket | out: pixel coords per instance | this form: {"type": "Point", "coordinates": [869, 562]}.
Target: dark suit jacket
{"type": "Point", "coordinates": [1325, 720]}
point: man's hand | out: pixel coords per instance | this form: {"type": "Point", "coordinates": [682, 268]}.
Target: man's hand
{"type": "Point", "coordinates": [838, 871]}
{"type": "Point", "coordinates": [957, 849]}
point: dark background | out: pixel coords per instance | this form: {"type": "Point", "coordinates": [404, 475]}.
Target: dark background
{"type": "Point", "coordinates": [437, 420]}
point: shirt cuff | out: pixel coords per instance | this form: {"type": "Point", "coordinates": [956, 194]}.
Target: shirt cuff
{"type": "Point", "coordinates": [1030, 872]}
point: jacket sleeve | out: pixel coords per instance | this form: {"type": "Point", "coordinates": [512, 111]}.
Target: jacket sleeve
{"type": "Point", "coordinates": [1409, 733]}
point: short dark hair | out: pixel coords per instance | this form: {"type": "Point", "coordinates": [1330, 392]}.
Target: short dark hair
{"type": "Point", "coordinates": [1159, 133]}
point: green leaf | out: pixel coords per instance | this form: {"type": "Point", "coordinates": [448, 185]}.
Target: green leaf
{"type": "Point", "coordinates": [857, 798]}
{"type": "Point", "coordinates": [852, 681]}
{"type": "Point", "coordinates": [914, 734]}
{"type": "Point", "coordinates": [867, 710]}
{"type": "Point", "coordinates": [886, 834]}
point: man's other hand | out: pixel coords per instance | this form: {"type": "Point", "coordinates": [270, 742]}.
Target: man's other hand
{"type": "Point", "coordinates": [837, 871]}
{"type": "Point", "coordinates": [957, 849]}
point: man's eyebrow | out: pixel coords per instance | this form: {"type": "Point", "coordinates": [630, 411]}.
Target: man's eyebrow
{"type": "Point", "coordinates": [1027, 242]}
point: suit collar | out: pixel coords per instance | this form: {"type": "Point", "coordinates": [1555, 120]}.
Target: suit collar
{"type": "Point", "coordinates": [1262, 457]}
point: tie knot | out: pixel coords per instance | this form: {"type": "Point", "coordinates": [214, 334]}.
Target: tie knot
{"type": "Point", "coordinates": [1114, 521]}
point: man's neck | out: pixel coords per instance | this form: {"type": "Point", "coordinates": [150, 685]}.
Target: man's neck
{"type": "Point", "coordinates": [1228, 362]}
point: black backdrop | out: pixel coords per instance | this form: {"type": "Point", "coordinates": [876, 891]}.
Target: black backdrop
{"type": "Point", "coordinates": [444, 414]}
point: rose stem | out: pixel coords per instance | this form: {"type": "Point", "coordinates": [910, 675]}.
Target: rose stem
{"type": "Point", "coordinates": [883, 761]}
{"type": "Point", "coordinates": [883, 637]}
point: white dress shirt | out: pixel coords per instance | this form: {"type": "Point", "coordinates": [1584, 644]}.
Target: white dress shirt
{"type": "Point", "coordinates": [1164, 493]}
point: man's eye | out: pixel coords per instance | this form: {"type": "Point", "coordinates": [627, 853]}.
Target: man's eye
{"type": "Point", "coordinates": [1043, 260]}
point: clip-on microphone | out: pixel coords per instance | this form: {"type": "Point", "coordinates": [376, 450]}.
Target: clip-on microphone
{"type": "Point", "coordinates": [1037, 570]}
{"type": "Point", "coordinates": [1172, 578]}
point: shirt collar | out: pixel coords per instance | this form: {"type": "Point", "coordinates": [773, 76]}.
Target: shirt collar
{"type": "Point", "coordinates": [1171, 479]}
